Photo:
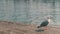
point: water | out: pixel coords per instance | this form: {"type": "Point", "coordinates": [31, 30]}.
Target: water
{"type": "Point", "coordinates": [28, 10]}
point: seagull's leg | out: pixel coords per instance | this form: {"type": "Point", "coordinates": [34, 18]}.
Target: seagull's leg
{"type": "Point", "coordinates": [45, 28]}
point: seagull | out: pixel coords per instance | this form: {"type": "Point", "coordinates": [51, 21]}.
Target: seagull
{"type": "Point", "coordinates": [45, 22]}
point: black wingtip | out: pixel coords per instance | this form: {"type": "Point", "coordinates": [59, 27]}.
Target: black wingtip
{"type": "Point", "coordinates": [38, 26]}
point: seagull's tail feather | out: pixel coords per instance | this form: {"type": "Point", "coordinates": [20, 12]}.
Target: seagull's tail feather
{"type": "Point", "coordinates": [38, 26]}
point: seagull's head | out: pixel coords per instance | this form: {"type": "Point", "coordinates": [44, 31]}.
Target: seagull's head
{"type": "Point", "coordinates": [49, 17]}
